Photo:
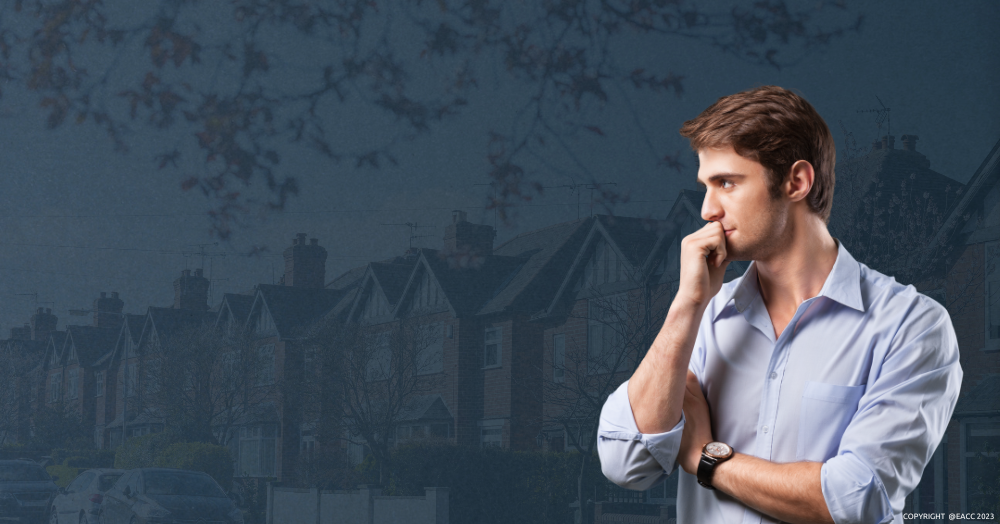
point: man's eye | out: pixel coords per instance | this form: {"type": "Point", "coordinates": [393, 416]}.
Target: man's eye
{"type": "Point", "coordinates": [724, 182]}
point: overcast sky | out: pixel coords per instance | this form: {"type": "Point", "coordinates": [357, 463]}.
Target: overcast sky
{"type": "Point", "coordinates": [79, 218]}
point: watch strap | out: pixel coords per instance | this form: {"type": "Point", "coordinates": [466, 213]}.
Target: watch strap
{"type": "Point", "coordinates": [706, 467]}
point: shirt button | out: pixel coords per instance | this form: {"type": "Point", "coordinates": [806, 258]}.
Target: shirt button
{"type": "Point", "coordinates": [765, 429]}
{"type": "Point", "coordinates": [774, 375]}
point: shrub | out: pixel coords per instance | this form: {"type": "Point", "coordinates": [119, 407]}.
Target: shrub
{"type": "Point", "coordinates": [199, 456]}
{"type": "Point", "coordinates": [141, 452]}
{"type": "Point", "coordinates": [493, 484]}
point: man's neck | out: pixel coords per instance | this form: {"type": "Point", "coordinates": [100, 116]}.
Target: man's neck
{"type": "Point", "coordinates": [798, 272]}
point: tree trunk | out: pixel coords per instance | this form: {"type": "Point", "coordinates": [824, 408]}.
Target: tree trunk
{"type": "Point", "coordinates": [585, 516]}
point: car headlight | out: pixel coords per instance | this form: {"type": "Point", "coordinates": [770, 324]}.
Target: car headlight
{"type": "Point", "coordinates": [236, 516]}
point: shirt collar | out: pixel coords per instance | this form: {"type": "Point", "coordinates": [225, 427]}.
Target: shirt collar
{"type": "Point", "coordinates": [843, 284]}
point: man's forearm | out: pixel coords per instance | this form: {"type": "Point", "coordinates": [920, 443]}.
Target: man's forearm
{"type": "Point", "coordinates": [789, 492]}
{"type": "Point", "coordinates": [656, 389]}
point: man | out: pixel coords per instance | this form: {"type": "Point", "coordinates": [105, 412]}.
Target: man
{"type": "Point", "coordinates": [828, 384]}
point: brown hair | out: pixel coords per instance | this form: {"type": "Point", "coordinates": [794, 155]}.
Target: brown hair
{"type": "Point", "coordinates": [774, 127]}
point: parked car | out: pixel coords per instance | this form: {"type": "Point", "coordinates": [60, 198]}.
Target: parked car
{"type": "Point", "coordinates": [26, 492]}
{"type": "Point", "coordinates": [80, 501]}
{"type": "Point", "coordinates": [168, 496]}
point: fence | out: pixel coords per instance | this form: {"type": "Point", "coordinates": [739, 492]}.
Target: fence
{"type": "Point", "coordinates": [366, 505]}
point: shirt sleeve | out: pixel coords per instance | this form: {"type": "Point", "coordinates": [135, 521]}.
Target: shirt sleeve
{"type": "Point", "coordinates": [635, 460]}
{"type": "Point", "coordinates": [631, 459]}
{"type": "Point", "coordinates": [901, 418]}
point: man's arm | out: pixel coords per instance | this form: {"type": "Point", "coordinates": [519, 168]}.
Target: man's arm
{"type": "Point", "coordinates": [656, 389]}
{"type": "Point", "coordinates": [789, 492]}
{"type": "Point", "coordinates": [899, 423]}
{"type": "Point", "coordinates": [641, 423]}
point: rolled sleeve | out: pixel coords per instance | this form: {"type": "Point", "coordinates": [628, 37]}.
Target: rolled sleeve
{"type": "Point", "coordinates": [631, 459]}
{"type": "Point", "coordinates": [853, 492]}
{"type": "Point", "coordinates": [900, 421]}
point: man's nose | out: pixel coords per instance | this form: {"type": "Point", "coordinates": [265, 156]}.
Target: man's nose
{"type": "Point", "coordinates": [711, 211]}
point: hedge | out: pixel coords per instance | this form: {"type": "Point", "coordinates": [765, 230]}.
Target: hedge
{"type": "Point", "coordinates": [493, 484]}
{"type": "Point", "coordinates": [199, 456]}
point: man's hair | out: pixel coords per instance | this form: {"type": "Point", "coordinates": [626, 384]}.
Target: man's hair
{"type": "Point", "coordinates": [774, 127]}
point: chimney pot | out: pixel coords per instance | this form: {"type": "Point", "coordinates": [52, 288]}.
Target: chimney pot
{"type": "Point", "coordinates": [305, 265]}
{"type": "Point", "coordinates": [198, 272]}
{"type": "Point", "coordinates": [910, 142]}
{"type": "Point", "coordinates": [114, 294]}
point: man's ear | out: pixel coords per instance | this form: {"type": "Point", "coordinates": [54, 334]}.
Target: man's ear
{"type": "Point", "coordinates": [800, 180]}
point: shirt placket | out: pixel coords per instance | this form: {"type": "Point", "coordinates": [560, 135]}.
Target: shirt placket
{"type": "Point", "coordinates": [772, 387]}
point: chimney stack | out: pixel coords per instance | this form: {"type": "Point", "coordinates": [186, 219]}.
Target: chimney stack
{"type": "Point", "coordinates": [191, 291]}
{"type": "Point", "coordinates": [305, 264]}
{"type": "Point", "coordinates": [43, 323]}
{"type": "Point", "coordinates": [21, 333]}
{"type": "Point", "coordinates": [462, 235]}
{"type": "Point", "coordinates": [910, 142]}
{"type": "Point", "coordinates": [108, 310]}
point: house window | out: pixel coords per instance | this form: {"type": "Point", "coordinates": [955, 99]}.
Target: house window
{"type": "Point", "coordinates": [982, 466]}
{"type": "Point", "coordinates": [493, 347]}
{"type": "Point", "coordinates": [379, 357]}
{"type": "Point", "coordinates": [99, 383]}
{"type": "Point", "coordinates": [430, 430]}
{"type": "Point", "coordinates": [605, 266]}
{"type": "Point", "coordinates": [265, 324]}
{"type": "Point", "coordinates": [430, 349]}
{"type": "Point", "coordinates": [257, 451]}
{"type": "Point", "coordinates": [152, 375]}
{"type": "Point", "coordinates": [131, 379]}
{"type": "Point", "coordinates": [307, 444]}
{"type": "Point", "coordinates": [265, 374]}
{"type": "Point", "coordinates": [73, 377]}
{"type": "Point", "coordinates": [606, 351]}
{"type": "Point", "coordinates": [992, 295]}
{"type": "Point", "coordinates": [356, 449]}
{"type": "Point", "coordinates": [931, 494]}
{"type": "Point", "coordinates": [310, 364]}
{"type": "Point", "coordinates": [559, 357]}
{"type": "Point", "coordinates": [55, 385]}
{"type": "Point", "coordinates": [491, 436]}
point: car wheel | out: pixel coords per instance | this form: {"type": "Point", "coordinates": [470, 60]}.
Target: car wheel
{"type": "Point", "coordinates": [83, 518]}
{"type": "Point", "coordinates": [53, 516]}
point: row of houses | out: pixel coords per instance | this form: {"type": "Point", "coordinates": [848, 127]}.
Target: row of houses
{"type": "Point", "coordinates": [526, 338]}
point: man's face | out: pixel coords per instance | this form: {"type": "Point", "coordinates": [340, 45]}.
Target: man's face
{"type": "Point", "coordinates": [737, 196]}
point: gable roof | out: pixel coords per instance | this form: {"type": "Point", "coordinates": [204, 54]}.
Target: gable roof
{"type": "Point", "coordinates": [294, 308]}
{"type": "Point", "coordinates": [236, 305]}
{"type": "Point", "coordinates": [465, 289]}
{"type": "Point", "coordinates": [54, 349]}
{"type": "Point", "coordinates": [981, 183]}
{"type": "Point", "coordinates": [164, 322]}
{"type": "Point", "coordinates": [387, 278]}
{"type": "Point", "coordinates": [546, 253]}
{"type": "Point", "coordinates": [90, 343]}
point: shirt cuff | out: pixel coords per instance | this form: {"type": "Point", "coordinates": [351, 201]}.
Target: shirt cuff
{"type": "Point", "coordinates": [853, 492]}
{"type": "Point", "coordinates": [618, 423]}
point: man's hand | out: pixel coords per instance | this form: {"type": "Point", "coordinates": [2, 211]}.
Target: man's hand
{"type": "Point", "coordinates": [697, 426]}
{"type": "Point", "coordinates": [703, 264]}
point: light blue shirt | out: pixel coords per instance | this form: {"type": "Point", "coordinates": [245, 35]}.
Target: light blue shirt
{"type": "Point", "coordinates": [863, 379]}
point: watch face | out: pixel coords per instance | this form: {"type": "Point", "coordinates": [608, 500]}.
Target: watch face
{"type": "Point", "coordinates": [718, 449]}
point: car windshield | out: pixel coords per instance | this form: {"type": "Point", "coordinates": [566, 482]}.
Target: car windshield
{"type": "Point", "coordinates": [181, 483]}
{"type": "Point", "coordinates": [108, 480]}
{"type": "Point", "coordinates": [22, 471]}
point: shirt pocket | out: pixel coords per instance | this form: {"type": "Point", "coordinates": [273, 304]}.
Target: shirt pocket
{"type": "Point", "coordinates": [824, 414]}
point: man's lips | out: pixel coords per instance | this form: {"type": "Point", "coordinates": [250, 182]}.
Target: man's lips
{"type": "Point", "coordinates": [728, 231]}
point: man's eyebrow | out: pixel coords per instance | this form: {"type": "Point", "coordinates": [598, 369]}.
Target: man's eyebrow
{"type": "Point", "coordinates": [717, 176]}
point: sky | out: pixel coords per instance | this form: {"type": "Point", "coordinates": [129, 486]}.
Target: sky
{"type": "Point", "coordinates": [79, 218]}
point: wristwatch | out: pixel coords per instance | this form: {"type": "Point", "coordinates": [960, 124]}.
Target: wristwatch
{"type": "Point", "coordinates": [713, 454]}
